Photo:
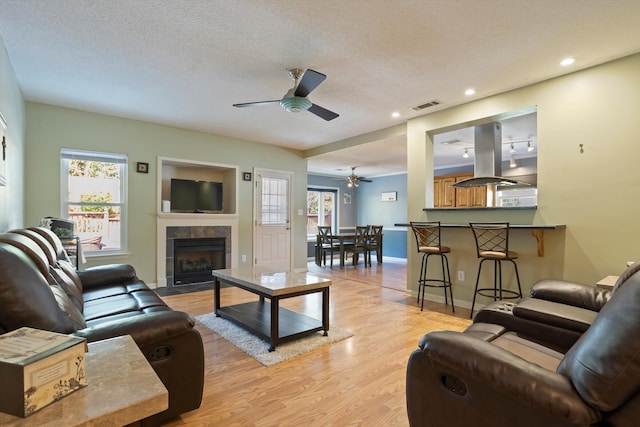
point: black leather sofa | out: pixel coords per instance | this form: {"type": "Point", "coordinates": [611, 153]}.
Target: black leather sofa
{"type": "Point", "coordinates": [40, 288]}
{"type": "Point", "coordinates": [490, 375]}
{"type": "Point", "coordinates": [556, 313]}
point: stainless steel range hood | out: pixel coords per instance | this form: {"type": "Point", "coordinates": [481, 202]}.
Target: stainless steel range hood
{"type": "Point", "coordinates": [488, 159]}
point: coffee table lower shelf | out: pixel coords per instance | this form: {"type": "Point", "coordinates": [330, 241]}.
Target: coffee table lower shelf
{"type": "Point", "coordinates": [256, 318]}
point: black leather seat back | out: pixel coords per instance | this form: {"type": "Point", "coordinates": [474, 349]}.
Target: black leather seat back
{"type": "Point", "coordinates": [604, 364]}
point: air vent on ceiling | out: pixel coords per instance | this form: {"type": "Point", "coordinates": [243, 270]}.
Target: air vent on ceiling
{"type": "Point", "coordinates": [427, 105]}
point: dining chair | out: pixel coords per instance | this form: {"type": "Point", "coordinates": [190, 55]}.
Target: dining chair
{"type": "Point", "coordinates": [492, 244]}
{"type": "Point", "coordinates": [361, 245]}
{"type": "Point", "coordinates": [326, 244]}
{"type": "Point", "coordinates": [429, 243]}
{"type": "Point", "coordinates": [375, 242]}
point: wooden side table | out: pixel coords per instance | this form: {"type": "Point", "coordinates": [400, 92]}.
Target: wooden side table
{"type": "Point", "coordinates": [607, 282]}
{"type": "Point", "coordinates": [122, 388]}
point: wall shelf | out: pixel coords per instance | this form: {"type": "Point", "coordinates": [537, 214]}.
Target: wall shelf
{"type": "Point", "coordinates": [169, 168]}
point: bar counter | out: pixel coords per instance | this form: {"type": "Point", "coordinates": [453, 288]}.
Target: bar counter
{"type": "Point", "coordinates": [536, 230]}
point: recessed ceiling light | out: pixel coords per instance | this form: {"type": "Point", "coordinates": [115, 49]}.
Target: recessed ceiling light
{"type": "Point", "coordinates": [395, 114]}
{"type": "Point", "coordinates": [470, 92]}
{"type": "Point", "coordinates": [567, 61]}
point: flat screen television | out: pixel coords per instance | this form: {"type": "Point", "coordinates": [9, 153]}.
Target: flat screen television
{"type": "Point", "coordinates": [195, 196]}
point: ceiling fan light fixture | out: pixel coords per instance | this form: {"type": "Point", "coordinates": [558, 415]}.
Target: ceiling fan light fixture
{"type": "Point", "coordinates": [295, 104]}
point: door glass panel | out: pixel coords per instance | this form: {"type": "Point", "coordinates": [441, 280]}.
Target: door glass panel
{"type": "Point", "coordinates": [274, 208]}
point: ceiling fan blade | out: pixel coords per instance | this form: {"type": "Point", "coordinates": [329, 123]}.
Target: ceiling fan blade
{"type": "Point", "coordinates": [322, 112]}
{"type": "Point", "coordinates": [310, 80]}
{"type": "Point", "coordinates": [364, 180]}
{"type": "Point", "coordinates": [256, 104]}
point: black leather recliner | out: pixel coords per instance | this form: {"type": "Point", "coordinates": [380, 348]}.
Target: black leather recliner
{"type": "Point", "coordinates": [492, 376]}
{"type": "Point", "coordinates": [39, 288]}
{"type": "Point", "coordinates": [556, 314]}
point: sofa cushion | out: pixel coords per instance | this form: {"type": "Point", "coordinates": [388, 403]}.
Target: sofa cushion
{"type": "Point", "coordinates": [30, 248]}
{"type": "Point", "coordinates": [570, 293]}
{"type": "Point", "coordinates": [117, 304]}
{"type": "Point", "coordinates": [555, 314]}
{"type": "Point", "coordinates": [22, 281]}
{"type": "Point", "coordinates": [114, 289]}
{"type": "Point", "coordinates": [529, 350]}
{"type": "Point", "coordinates": [54, 240]}
{"type": "Point", "coordinates": [46, 247]}
{"type": "Point", "coordinates": [604, 365]}
{"type": "Point", "coordinates": [105, 275]}
{"type": "Point", "coordinates": [70, 278]}
{"type": "Point", "coordinates": [68, 307]}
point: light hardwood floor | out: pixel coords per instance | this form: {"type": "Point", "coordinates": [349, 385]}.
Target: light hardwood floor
{"type": "Point", "coordinates": [359, 381]}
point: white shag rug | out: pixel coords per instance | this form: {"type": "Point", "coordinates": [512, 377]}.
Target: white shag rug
{"type": "Point", "coordinates": [259, 349]}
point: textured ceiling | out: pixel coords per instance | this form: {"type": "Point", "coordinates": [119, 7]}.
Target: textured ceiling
{"type": "Point", "coordinates": [184, 63]}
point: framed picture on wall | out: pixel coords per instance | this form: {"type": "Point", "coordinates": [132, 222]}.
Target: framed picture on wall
{"type": "Point", "coordinates": [142, 167]}
{"type": "Point", "coordinates": [389, 196]}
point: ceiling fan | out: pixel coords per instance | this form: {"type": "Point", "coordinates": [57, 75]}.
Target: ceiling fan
{"type": "Point", "coordinates": [295, 100]}
{"type": "Point", "coordinates": [353, 180]}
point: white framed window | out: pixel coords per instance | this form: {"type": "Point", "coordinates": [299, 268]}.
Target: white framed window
{"type": "Point", "coordinates": [322, 208]}
{"type": "Point", "coordinates": [94, 197]}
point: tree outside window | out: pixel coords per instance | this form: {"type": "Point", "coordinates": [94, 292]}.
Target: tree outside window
{"type": "Point", "coordinates": [321, 209]}
{"type": "Point", "coordinates": [94, 198]}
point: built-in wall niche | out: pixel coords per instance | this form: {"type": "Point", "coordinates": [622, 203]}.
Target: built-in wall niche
{"type": "Point", "coordinates": [191, 170]}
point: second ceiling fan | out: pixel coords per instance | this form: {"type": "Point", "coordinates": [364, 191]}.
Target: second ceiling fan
{"type": "Point", "coordinates": [353, 180]}
{"type": "Point", "coordinates": [295, 100]}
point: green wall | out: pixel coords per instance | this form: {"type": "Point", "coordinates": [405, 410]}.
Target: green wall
{"type": "Point", "coordinates": [50, 128]}
{"type": "Point", "coordinates": [594, 191]}
{"type": "Point", "coordinates": [12, 108]}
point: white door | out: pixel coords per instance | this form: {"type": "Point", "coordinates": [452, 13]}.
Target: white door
{"type": "Point", "coordinates": [272, 236]}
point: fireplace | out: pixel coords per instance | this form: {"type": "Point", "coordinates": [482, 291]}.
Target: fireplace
{"type": "Point", "coordinates": [176, 230]}
{"type": "Point", "coordinates": [195, 258]}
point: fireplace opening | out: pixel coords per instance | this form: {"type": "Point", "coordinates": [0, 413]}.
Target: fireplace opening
{"type": "Point", "coordinates": [194, 259]}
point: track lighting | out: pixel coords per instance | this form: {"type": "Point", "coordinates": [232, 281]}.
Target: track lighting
{"type": "Point", "coordinates": [466, 153]}
{"type": "Point", "coordinates": [529, 147]}
{"type": "Point", "coordinates": [512, 163]}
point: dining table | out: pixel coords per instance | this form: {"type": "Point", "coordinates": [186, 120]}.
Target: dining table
{"type": "Point", "coordinates": [344, 238]}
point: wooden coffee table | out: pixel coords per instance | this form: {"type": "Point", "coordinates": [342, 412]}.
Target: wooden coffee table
{"type": "Point", "coordinates": [268, 320]}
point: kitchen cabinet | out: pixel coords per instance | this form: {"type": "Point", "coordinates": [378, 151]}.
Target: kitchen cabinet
{"type": "Point", "coordinates": [446, 196]}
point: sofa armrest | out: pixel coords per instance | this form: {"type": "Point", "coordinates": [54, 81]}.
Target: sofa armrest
{"type": "Point", "coordinates": [456, 379]}
{"type": "Point", "coordinates": [106, 275]}
{"type": "Point", "coordinates": [145, 329]}
{"type": "Point", "coordinates": [575, 294]}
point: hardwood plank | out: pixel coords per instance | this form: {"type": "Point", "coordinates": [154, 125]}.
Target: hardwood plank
{"type": "Point", "coordinates": [357, 381]}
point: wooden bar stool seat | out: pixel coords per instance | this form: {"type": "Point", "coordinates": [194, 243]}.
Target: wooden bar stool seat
{"type": "Point", "coordinates": [428, 243]}
{"type": "Point", "coordinates": [492, 244]}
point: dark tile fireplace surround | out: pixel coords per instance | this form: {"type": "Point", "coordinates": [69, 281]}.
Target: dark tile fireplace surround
{"type": "Point", "coordinates": [193, 251]}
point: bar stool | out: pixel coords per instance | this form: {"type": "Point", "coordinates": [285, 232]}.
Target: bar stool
{"type": "Point", "coordinates": [492, 244]}
{"type": "Point", "coordinates": [428, 243]}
